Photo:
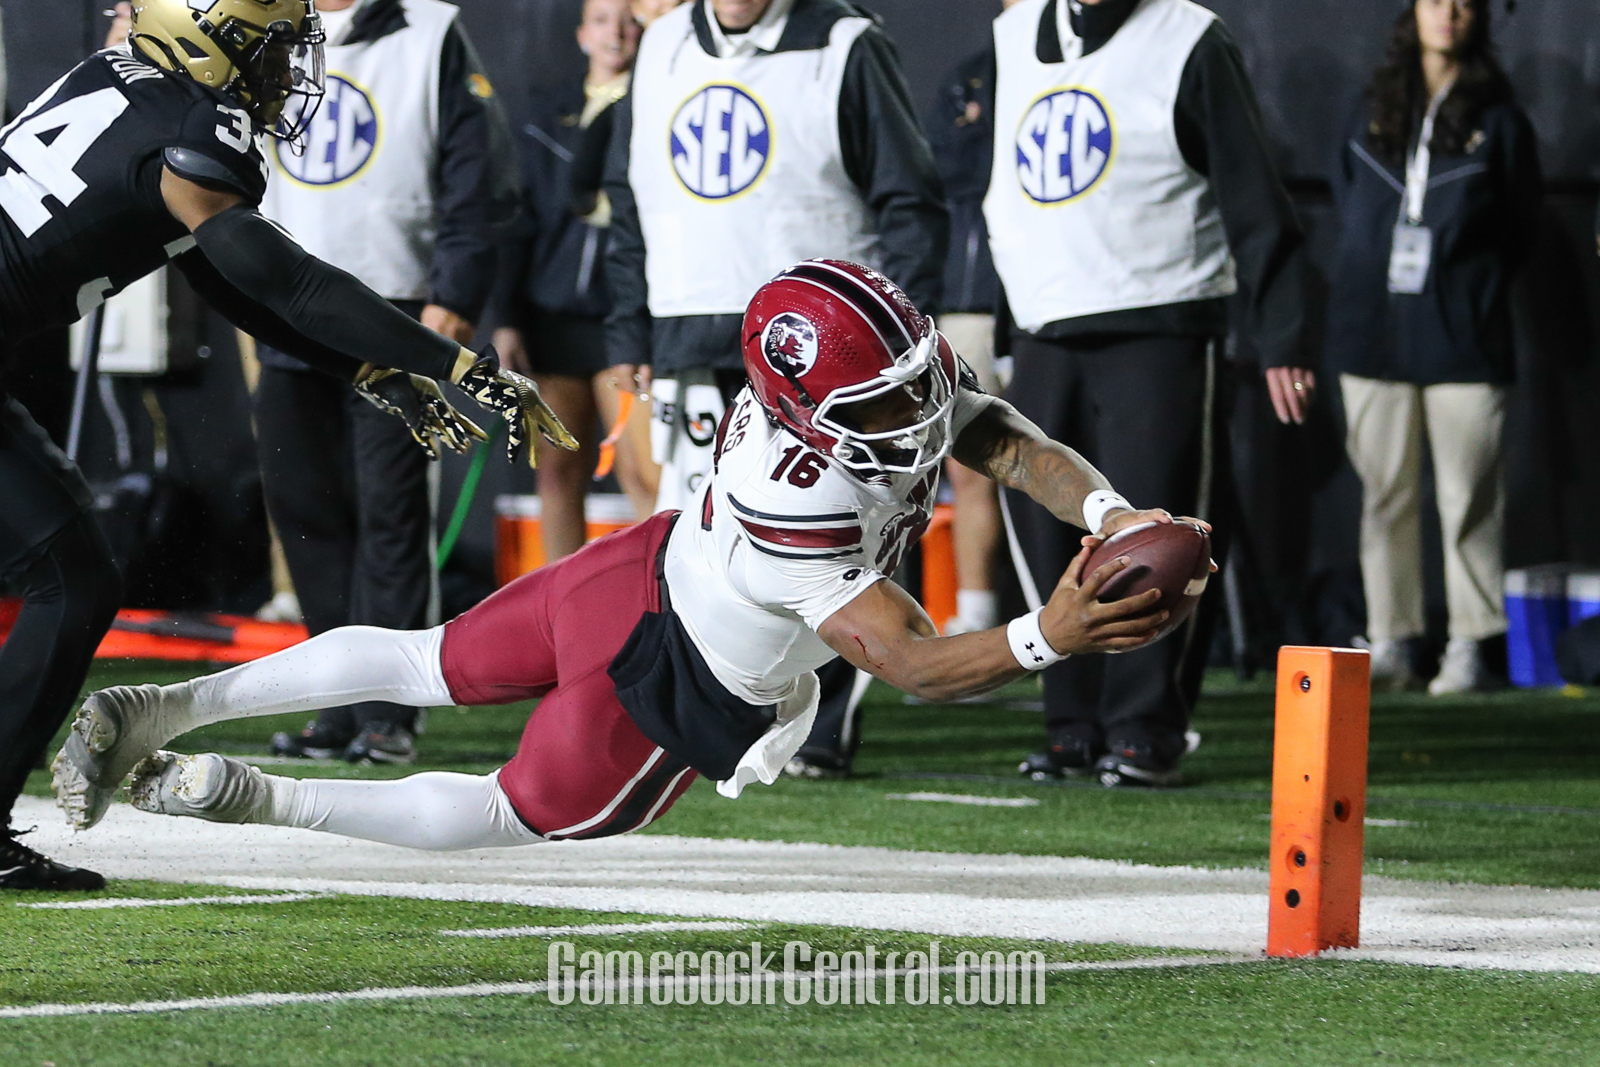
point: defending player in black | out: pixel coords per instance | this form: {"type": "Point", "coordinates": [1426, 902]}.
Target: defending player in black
{"type": "Point", "coordinates": [139, 155]}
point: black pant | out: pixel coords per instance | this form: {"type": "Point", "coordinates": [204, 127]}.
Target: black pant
{"type": "Point", "coordinates": [54, 555]}
{"type": "Point", "coordinates": [1147, 412]}
{"type": "Point", "coordinates": [347, 489]}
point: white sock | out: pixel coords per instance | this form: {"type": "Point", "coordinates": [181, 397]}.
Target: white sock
{"type": "Point", "coordinates": [343, 666]}
{"type": "Point", "coordinates": [976, 609]}
{"type": "Point", "coordinates": [435, 810]}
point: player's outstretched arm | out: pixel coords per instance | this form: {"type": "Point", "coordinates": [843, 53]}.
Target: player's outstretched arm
{"type": "Point", "coordinates": [887, 634]}
{"type": "Point", "coordinates": [1007, 447]}
{"type": "Point", "coordinates": [317, 300]}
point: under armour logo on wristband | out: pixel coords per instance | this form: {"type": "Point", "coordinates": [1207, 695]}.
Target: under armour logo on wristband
{"type": "Point", "coordinates": [1028, 644]}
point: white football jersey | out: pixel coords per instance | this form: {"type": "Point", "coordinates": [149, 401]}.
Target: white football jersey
{"type": "Point", "coordinates": [780, 538]}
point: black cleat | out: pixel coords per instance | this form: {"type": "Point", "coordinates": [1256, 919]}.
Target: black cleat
{"type": "Point", "coordinates": [816, 764]}
{"type": "Point", "coordinates": [1069, 757]}
{"type": "Point", "coordinates": [23, 868]}
{"type": "Point", "coordinates": [314, 742]}
{"type": "Point", "coordinates": [1137, 767]}
{"type": "Point", "coordinates": [382, 742]}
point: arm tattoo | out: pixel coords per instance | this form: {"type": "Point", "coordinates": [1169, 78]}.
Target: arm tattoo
{"type": "Point", "coordinates": [1008, 448]}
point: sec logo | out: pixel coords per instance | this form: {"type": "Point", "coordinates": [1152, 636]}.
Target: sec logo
{"type": "Point", "coordinates": [1063, 146]}
{"type": "Point", "coordinates": [721, 142]}
{"type": "Point", "coordinates": [341, 140]}
{"type": "Point", "coordinates": [790, 344]}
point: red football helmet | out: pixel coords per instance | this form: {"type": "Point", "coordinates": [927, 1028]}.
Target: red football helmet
{"type": "Point", "coordinates": [826, 335]}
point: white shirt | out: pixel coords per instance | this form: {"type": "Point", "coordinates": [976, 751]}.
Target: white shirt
{"type": "Point", "coordinates": [780, 539]}
{"type": "Point", "coordinates": [762, 37]}
{"type": "Point", "coordinates": [784, 553]}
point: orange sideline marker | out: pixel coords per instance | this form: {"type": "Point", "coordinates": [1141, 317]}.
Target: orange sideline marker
{"type": "Point", "coordinates": [1319, 800]}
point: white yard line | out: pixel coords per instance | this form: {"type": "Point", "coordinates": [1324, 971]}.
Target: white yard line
{"type": "Point", "coordinates": [99, 903]}
{"type": "Point", "coordinates": [519, 989]}
{"type": "Point", "coordinates": [967, 798]}
{"type": "Point", "coordinates": [595, 928]}
{"type": "Point", "coordinates": [950, 894]}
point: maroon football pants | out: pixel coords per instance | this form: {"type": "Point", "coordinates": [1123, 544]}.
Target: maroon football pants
{"type": "Point", "coordinates": [582, 769]}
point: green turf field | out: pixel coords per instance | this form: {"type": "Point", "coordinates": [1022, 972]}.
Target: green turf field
{"type": "Point", "coordinates": [1268, 1013]}
{"type": "Point", "coordinates": [1497, 789]}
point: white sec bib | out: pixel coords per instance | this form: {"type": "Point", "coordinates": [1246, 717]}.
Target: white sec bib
{"type": "Point", "coordinates": [360, 195]}
{"type": "Point", "coordinates": [1091, 205]}
{"type": "Point", "coordinates": [736, 167]}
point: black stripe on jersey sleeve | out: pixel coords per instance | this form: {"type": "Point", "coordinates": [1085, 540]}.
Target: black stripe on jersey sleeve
{"type": "Point", "coordinates": [844, 516]}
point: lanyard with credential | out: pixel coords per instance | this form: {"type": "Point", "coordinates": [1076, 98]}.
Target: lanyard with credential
{"type": "Point", "coordinates": [1411, 255]}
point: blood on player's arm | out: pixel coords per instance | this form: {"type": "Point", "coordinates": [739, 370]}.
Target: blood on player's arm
{"type": "Point", "coordinates": [1002, 444]}
{"type": "Point", "coordinates": [887, 634]}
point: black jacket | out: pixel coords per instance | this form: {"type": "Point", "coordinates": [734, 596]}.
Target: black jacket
{"type": "Point", "coordinates": [551, 260]}
{"type": "Point", "coordinates": [886, 156]}
{"type": "Point", "coordinates": [474, 176]}
{"type": "Point", "coordinates": [961, 130]}
{"type": "Point", "coordinates": [1483, 208]}
{"type": "Point", "coordinates": [1222, 136]}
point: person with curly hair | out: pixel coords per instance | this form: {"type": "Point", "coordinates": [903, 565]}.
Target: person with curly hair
{"type": "Point", "coordinates": [1438, 195]}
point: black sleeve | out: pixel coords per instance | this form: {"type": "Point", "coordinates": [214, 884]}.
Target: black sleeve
{"type": "Point", "coordinates": [589, 162]}
{"type": "Point", "coordinates": [265, 265]}
{"type": "Point", "coordinates": [1521, 188]}
{"type": "Point", "coordinates": [258, 321]}
{"type": "Point", "coordinates": [886, 155]}
{"type": "Point", "coordinates": [513, 258]}
{"type": "Point", "coordinates": [475, 180]}
{"type": "Point", "coordinates": [1221, 135]}
{"type": "Point", "coordinates": [628, 325]}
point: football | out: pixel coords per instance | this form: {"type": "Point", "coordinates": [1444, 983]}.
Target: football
{"type": "Point", "coordinates": [1174, 558]}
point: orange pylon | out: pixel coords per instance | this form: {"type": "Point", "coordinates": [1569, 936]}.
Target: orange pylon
{"type": "Point", "coordinates": [1319, 800]}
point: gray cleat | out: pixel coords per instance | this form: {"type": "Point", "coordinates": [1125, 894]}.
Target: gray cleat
{"type": "Point", "coordinates": [207, 786]}
{"type": "Point", "coordinates": [115, 729]}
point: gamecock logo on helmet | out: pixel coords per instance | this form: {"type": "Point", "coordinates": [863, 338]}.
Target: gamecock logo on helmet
{"type": "Point", "coordinates": [790, 344]}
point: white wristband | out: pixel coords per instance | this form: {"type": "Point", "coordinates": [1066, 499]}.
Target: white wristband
{"type": "Point", "coordinates": [1027, 642]}
{"type": "Point", "coordinates": [1097, 503]}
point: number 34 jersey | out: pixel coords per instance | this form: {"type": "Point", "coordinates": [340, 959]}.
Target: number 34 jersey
{"type": "Point", "coordinates": [779, 539]}
{"type": "Point", "coordinates": [81, 214]}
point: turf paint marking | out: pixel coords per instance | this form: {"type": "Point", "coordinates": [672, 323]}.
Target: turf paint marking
{"type": "Point", "coordinates": [967, 798]}
{"type": "Point", "coordinates": [599, 928]}
{"type": "Point", "coordinates": [502, 989]}
{"type": "Point", "coordinates": [175, 902]}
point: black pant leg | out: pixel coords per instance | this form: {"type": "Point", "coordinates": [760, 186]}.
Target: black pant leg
{"type": "Point", "coordinates": [836, 734]}
{"type": "Point", "coordinates": [393, 578]}
{"type": "Point", "coordinates": [1155, 403]}
{"type": "Point", "coordinates": [1047, 387]}
{"type": "Point", "coordinates": [302, 440]}
{"type": "Point", "coordinates": [51, 548]}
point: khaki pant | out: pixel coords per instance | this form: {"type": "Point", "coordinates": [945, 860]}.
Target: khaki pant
{"type": "Point", "coordinates": [1463, 423]}
{"type": "Point", "coordinates": [972, 336]}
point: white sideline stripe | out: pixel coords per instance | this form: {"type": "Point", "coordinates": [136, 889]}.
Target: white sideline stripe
{"type": "Point", "coordinates": [598, 928]}
{"type": "Point", "coordinates": [175, 902]}
{"type": "Point", "coordinates": [515, 989]}
{"type": "Point", "coordinates": [967, 798]}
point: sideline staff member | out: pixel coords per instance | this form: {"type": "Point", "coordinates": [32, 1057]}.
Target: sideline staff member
{"type": "Point", "coordinates": [758, 133]}
{"type": "Point", "coordinates": [406, 171]}
{"type": "Point", "coordinates": [1133, 193]}
{"type": "Point", "coordinates": [550, 300]}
